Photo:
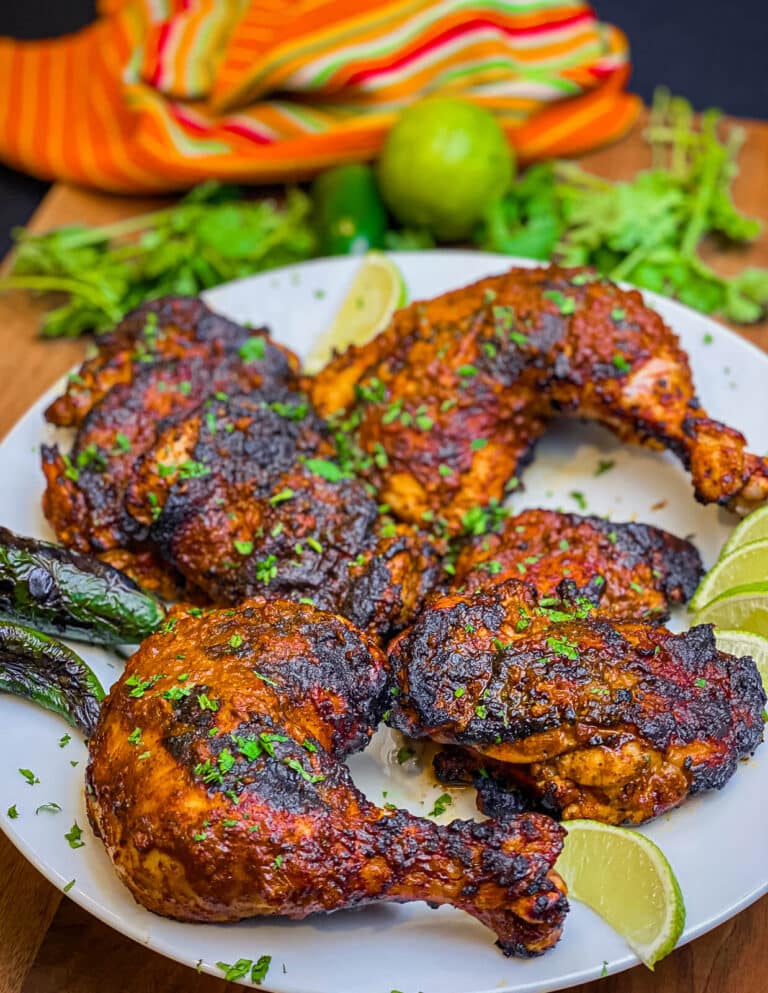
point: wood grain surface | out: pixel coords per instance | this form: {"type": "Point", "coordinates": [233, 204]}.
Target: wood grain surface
{"type": "Point", "coordinates": [48, 944]}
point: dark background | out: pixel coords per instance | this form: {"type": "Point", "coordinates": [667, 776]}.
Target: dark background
{"type": "Point", "coordinates": [714, 54]}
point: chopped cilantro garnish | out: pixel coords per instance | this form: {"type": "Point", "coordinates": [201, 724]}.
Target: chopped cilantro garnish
{"type": "Point", "coordinates": [244, 547]}
{"type": "Point", "coordinates": [478, 443]}
{"type": "Point", "coordinates": [604, 465]}
{"type": "Point", "coordinates": [74, 836]}
{"type": "Point", "coordinates": [298, 767]}
{"type": "Point", "coordinates": [325, 469]}
{"type": "Point", "coordinates": [442, 803]}
{"type": "Point", "coordinates": [12, 812]}
{"type": "Point", "coordinates": [64, 740]}
{"type": "Point", "coordinates": [405, 754]}
{"type": "Point", "coordinates": [566, 305]}
{"type": "Point", "coordinates": [564, 647]}
{"type": "Point", "coordinates": [281, 497]}
{"type": "Point", "coordinates": [266, 570]}
{"type": "Point", "coordinates": [30, 777]}
{"type": "Point", "coordinates": [135, 736]}
{"type": "Point", "coordinates": [253, 350]}
{"type": "Point", "coordinates": [579, 498]}
{"type": "Point", "coordinates": [621, 363]}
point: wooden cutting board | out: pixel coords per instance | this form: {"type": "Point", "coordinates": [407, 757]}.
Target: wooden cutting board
{"type": "Point", "coordinates": [48, 944]}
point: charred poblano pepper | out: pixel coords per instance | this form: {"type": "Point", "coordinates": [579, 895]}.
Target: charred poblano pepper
{"type": "Point", "coordinates": [73, 595]}
{"type": "Point", "coordinates": [41, 669]}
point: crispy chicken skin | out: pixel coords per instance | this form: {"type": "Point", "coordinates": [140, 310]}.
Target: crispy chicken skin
{"type": "Point", "coordinates": [83, 500]}
{"type": "Point", "coordinates": [171, 327]}
{"type": "Point", "coordinates": [262, 506]}
{"type": "Point", "coordinates": [455, 392]}
{"type": "Point", "coordinates": [216, 781]}
{"type": "Point", "coordinates": [628, 571]}
{"type": "Point", "coordinates": [616, 721]}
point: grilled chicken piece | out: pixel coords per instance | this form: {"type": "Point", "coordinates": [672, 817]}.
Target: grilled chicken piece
{"type": "Point", "coordinates": [84, 497]}
{"type": "Point", "coordinates": [615, 721]}
{"type": "Point", "coordinates": [243, 496]}
{"type": "Point", "coordinates": [627, 571]}
{"type": "Point", "coordinates": [216, 781]}
{"type": "Point", "coordinates": [169, 328]}
{"type": "Point", "coordinates": [455, 392]}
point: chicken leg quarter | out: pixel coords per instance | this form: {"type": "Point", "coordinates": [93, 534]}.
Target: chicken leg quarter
{"type": "Point", "coordinates": [454, 394]}
{"type": "Point", "coordinates": [217, 783]}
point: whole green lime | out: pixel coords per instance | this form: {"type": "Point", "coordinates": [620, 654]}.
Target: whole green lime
{"type": "Point", "coordinates": [441, 165]}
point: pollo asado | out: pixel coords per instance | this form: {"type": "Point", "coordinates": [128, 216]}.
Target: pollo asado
{"type": "Point", "coordinates": [171, 327]}
{"type": "Point", "coordinates": [622, 570]}
{"type": "Point", "coordinates": [197, 472]}
{"type": "Point", "coordinates": [611, 720]}
{"type": "Point", "coordinates": [217, 783]}
{"type": "Point", "coordinates": [163, 359]}
{"type": "Point", "coordinates": [454, 394]}
{"type": "Point", "coordinates": [244, 496]}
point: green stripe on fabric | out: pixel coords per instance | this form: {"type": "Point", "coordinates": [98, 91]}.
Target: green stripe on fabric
{"type": "Point", "coordinates": [406, 33]}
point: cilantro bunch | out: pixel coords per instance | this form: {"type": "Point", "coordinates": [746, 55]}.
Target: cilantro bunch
{"type": "Point", "coordinates": [646, 231]}
{"type": "Point", "coordinates": [209, 237]}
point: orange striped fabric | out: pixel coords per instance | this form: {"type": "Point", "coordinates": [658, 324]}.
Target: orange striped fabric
{"type": "Point", "coordinates": [160, 94]}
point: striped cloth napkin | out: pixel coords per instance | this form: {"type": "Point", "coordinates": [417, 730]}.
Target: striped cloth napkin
{"type": "Point", "coordinates": [160, 94]}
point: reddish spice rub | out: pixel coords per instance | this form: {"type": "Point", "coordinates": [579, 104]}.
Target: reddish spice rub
{"type": "Point", "coordinates": [217, 783]}
{"type": "Point", "coordinates": [454, 394]}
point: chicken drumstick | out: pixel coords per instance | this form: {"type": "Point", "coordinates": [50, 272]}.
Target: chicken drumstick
{"type": "Point", "coordinates": [217, 783]}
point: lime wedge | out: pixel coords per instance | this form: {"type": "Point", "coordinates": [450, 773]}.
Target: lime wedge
{"type": "Point", "coordinates": [752, 528]}
{"type": "Point", "coordinates": [746, 564]}
{"type": "Point", "coordinates": [377, 290]}
{"type": "Point", "coordinates": [744, 608]}
{"type": "Point", "coordinates": [740, 643]}
{"type": "Point", "coordinates": [626, 879]}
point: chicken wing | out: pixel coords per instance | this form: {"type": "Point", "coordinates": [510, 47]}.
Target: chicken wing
{"type": "Point", "coordinates": [244, 495]}
{"type": "Point", "coordinates": [453, 395]}
{"type": "Point", "coordinates": [627, 571]}
{"type": "Point", "coordinates": [171, 327]}
{"type": "Point", "coordinates": [616, 721]}
{"type": "Point", "coordinates": [217, 784]}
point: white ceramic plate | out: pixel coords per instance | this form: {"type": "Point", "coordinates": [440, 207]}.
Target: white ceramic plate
{"type": "Point", "coordinates": [715, 843]}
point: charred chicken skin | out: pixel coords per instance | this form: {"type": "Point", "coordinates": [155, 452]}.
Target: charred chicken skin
{"type": "Point", "coordinates": [616, 721]}
{"type": "Point", "coordinates": [454, 394]}
{"type": "Point", "coordinates": [84, 497]}
{"type": "Point", "coordinates": [217, 783]}
{"type": "Point", "coordinates": [627, 571]}
{"type": "Point", "coordinates": [168, 328]}
{"type": "Point", "coordinates": [244, 496]}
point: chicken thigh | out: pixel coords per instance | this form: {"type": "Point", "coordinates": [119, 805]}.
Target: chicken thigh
{"type": "Point", "coordinates": [616, 721]}
{"type": "Point", "coordinates": [217, 783]}
{"type": "Point", "coordinates": [454, 394]}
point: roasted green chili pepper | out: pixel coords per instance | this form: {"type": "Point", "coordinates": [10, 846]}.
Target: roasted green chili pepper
{"type": "Point", "coordinates": [43, 670]}
{"type": "Point", "coordinates": [72, 595]}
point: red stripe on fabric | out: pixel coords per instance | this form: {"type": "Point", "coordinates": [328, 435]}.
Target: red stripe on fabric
{"type": "Point", "coordinates": [162, 43]}
{"type": "Point", "coordinates": [177, 110]}
{"type": "Point", "coordinates": [466, 28]}
{"type": "Point", "coordinates": [243, 131]}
